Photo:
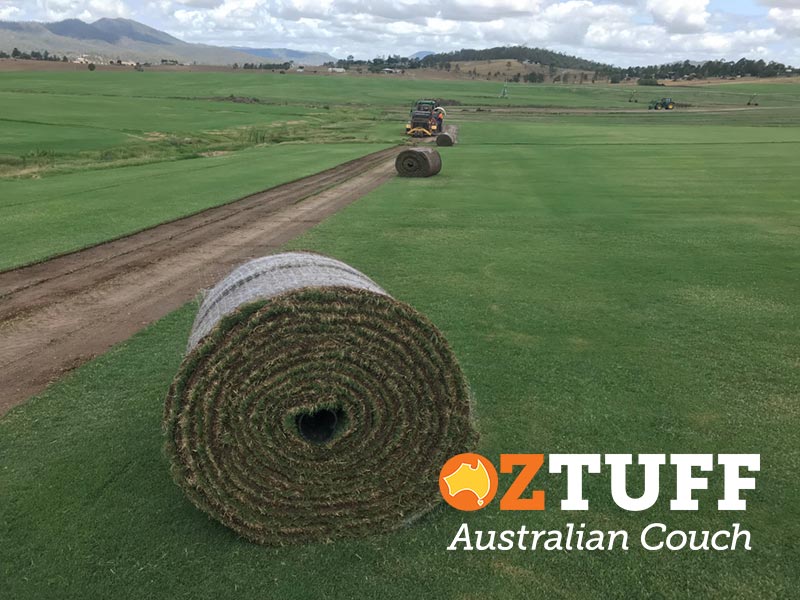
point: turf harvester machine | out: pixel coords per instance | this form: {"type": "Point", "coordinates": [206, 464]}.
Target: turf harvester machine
{"type": "Point", "coordinates": [663, 104]}
{"type": "Point", "coordinates": [427, 119]}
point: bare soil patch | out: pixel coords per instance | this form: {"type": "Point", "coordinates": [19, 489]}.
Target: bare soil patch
{"type": "Point", "coordinates": [56, 315]}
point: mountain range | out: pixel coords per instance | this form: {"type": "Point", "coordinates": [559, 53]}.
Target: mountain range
{"type": "Point", "coordinates": [124, 39]}
{"type": "Point", "coordinates": [276, 55]}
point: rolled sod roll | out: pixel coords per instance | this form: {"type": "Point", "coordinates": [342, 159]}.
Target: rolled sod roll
{"type": "Point", "coordinates": [311, 405]}
{"type": "Point", "coordinates": [448, 137]}
{"type": "Point", "coordinates": [418, 162]}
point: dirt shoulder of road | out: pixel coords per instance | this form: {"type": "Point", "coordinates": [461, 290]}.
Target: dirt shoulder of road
{"type": "Point", "coordinates": [58, 314]}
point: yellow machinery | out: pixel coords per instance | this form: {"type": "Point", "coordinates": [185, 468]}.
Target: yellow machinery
{"type": "Point", "coordinates": [426, 119]}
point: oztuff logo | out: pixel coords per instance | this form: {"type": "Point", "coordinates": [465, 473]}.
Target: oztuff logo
{"type": "Point", "coordinates": [468, 481]}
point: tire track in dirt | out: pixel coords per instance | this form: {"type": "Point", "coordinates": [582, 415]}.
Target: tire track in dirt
{"type": "Point", "coordinates": [58, 314]}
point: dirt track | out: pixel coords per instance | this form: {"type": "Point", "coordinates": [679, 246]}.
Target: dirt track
{"type": "Point", "coordinates": [56, 315]}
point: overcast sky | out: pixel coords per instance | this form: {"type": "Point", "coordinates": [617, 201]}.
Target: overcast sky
{"type": "Point", "coordinates": [621, 32]}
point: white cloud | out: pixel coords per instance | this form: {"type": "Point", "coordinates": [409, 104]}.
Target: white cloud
{"type": "Point", "coordinates": [680, 16]}
{"type": "Point", "coordinates": [741, 42]}
{"type": "Point", "coordinates": [620, 31]}
{"type": "Point", "coordinates": [781, 3]}
{"type": "Point", "coordinates": [786, 20]}
{"type": "Point", "coordinates": [199, 3]}
{"type": "Point", "coordinates": [571, 22]}
{"type": "Point", "coordinates": [8, 12]}
{"type": "Point", "coordinates": [624, 38]}
{"type": "Point", "coordinates": [53, 10]}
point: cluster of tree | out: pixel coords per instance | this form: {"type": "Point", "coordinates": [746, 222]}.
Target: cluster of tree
{"type": "Point", "coordinates": [534, 78]}
{"type": "Point", "coordinates": [33, 55]}
{"type": "Point", "coordinates": [448, 62]}
{"type": "Point", "coordinates": [519, 53]}
{"type": "Point", "coordinates": [268, 66]}
{"type": "Point", "coordinates": [379, 63]}
{"type": "Point", "coordinates": [527, 78]}
{"type": "Point", "coordinates": [744, 67]}
{"type": "Point", "coordinates": [573, 78]}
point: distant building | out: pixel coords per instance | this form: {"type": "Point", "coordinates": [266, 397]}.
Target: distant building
{"type": "Point", "coordinates": [388, 71]}
{"type": "Point", "coordinates": [336, 70]}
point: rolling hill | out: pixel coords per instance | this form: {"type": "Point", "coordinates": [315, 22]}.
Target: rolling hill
{"type": "Point", "coordinates": [287, 54]}
{"type": "Point", "coordinates": [124, 39]}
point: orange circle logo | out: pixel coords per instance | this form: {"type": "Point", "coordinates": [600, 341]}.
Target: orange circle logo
{"type": "Point", "coordinates": [468, 481]}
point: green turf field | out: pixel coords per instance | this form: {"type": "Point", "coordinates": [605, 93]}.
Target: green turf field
{"type": "Point", "coordinates": [608, 286]}
{"type": "Point", "coordinates": [158, 128]}
{"type": "Point", "coordinates": [378, 91]}
{"type": "Point", "coordinates": [65, 120]}
{"type": "Point", "coordinates": [43, 217]}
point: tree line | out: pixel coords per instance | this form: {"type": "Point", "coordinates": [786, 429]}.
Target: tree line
{"type": "Point", "coordinates": [33, 55]}
{"type": "Point", "coordinates": [445, 61]}
{"type": "Point", "coordinates": [519, 53]}
{"type": "Point", "coordinates": [744, 67]}
{"type": "Point", "coordinates": [268, 66]}
{"type": "Point", "coordinates": [377, 64]}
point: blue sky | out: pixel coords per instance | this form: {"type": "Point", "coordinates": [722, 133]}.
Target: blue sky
{"type": "Point", "coordinates": [741, 7]}
{"type": "Point", "coordinates": [622, 32]}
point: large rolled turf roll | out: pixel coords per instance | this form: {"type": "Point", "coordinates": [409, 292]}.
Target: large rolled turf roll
{"type": "Point", "coordinates": [312, 405]}
{"type": "Point", "coordinates": [418, 162]}
{"type": "Point", "coordinates": [448, 137]}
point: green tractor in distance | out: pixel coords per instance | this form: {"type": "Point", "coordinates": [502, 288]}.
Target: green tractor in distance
{"type": "Point", "coordinates": [424, 105]}
{"type": "Point", "coordinates": [663, 104]}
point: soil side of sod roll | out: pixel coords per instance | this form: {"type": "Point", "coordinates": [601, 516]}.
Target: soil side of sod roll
{"type": "Point", "coordinates": [317, 414]}
{"type": "Point", "coordinates": [448, 137]}
{"type": "Point", "coordinates": [418, 162]}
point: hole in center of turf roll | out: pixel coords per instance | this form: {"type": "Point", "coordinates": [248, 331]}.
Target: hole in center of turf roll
{"type": "Point", "coordinates": [320, 426]}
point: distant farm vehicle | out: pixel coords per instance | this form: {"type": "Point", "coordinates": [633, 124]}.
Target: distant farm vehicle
{"type": "Point", "coordinates": [662, 104]}
{"type": "Point", "coordinates": [426, 120]}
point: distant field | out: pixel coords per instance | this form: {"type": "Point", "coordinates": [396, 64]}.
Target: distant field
{"type": "Point", "coordinates": [115, 199]}
{"type": "Point", "coordinates": [60, 122]}
{"type": "Point", "coordinates": [66, 121]}
{"type": "Point", "coordinates": [43, 217]}
{"type": "Point", "coordinates": [609, 282]}
{"type": "Point", "coordinates": [616, 130]}
{"type": "Point", "coordinates": [386, 91]}
{"type": "Point", "coordinates": [120, 113]}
